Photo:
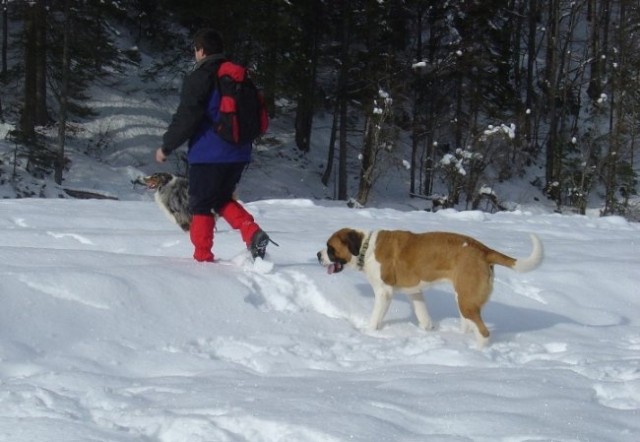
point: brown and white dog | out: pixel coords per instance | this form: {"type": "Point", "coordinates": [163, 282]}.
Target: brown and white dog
{"type": "Point", "coordinates": [395, 260]}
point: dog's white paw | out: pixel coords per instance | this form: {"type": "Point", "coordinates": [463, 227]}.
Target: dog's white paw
{"type": "Point", "coordinates": [481, 342]}
{"type": "Point", "coordinates": [466, 326]}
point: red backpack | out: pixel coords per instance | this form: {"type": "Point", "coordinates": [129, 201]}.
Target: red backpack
{"type": "Point", "coordinates": [243, 115]}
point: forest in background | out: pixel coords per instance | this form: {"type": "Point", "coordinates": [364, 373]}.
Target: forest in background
{"type": "Point", "coordinates": [476, 90]}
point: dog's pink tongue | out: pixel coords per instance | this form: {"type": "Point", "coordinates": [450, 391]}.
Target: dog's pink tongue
{"type": "Point", "coordinates": [331, 268]}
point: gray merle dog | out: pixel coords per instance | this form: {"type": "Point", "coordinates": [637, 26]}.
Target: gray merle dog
{"type": "Point", "coordinates": [171, 195]}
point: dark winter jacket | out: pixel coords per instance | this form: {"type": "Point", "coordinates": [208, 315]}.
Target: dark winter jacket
{"type": "Point", "coordinates": [193, 120]}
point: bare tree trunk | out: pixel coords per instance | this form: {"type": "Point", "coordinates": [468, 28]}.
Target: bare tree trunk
{"type": "Point", "coordinates": [5, 34]}
{"type": "Point", "coordinates": [304, 121]}
{"type": "Point", "coordinates": [269, 67]}
{"type": "Point", "coordinates": [595, 83]}
{"type": "Point", "coordinates": [342, 154]}
{"type": "Point", "coordinates": [530, 100]}
{"type": "Point", "coordinates": [332, 146]}
{"type": "Point", "coordinates": [416, 125]}
{"type": "Point", "coordinates": [343, 103]}
{"type": "Point", "coordinates": [41, 115]}
{"type": "Point", "coordinates": [28, 117]}
{"type": "Point", "coordinates": [611, 159]}
{"type": "Point", "coordinates": [368, 162]}
{"type": "Point", "coordinates": [429, 164]}
{"type": "Point", "coordinates": [415, 137]}
{"type": "Point", "coordinates": [62, 123]}
{"type": "Point", "coordinates": [553, 142]}
{"type": "Point", "coordinates": [615, 125]}
{"type": "Point", "coordinates": [306, 98]}
{"type": "Point", "coordinates": [458, 115]}
{"type": "Point", "coordinates": [35, 103]}
{"type": "Point", "coordinates": [5, 38]}
{"type": "Point", "coordinates": [629, 114]}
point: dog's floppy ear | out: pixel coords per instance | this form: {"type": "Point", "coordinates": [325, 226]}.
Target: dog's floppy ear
{"type": "Point", "coordinates": [354, 242]}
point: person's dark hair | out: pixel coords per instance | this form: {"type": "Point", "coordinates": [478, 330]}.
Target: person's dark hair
{"type": "Point", "coordinates": [209, 40]}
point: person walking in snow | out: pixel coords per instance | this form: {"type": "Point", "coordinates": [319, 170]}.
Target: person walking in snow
{"type": "Point", "coordinates": [215, 165]}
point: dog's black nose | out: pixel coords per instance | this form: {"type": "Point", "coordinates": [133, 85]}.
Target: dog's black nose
{"type": "Point", "coordinates": [319, 255]}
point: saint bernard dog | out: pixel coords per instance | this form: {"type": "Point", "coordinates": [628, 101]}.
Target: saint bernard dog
{"type": "Point", "coordinates": [395, 260]}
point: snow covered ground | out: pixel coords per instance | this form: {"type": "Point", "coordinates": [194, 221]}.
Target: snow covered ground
{"type": "Point", "coordinates": [109, 331]}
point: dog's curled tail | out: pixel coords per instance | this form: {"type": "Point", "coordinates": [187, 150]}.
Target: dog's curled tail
{"type": "Point", "coordinates": [532, 261]}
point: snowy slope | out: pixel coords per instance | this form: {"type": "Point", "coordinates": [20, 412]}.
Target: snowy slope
{"type": "Point", "coordinates": [110, 332]}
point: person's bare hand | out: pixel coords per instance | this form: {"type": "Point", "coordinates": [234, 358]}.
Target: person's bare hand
{"type": "Point", "coordinates": [160, 156]}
